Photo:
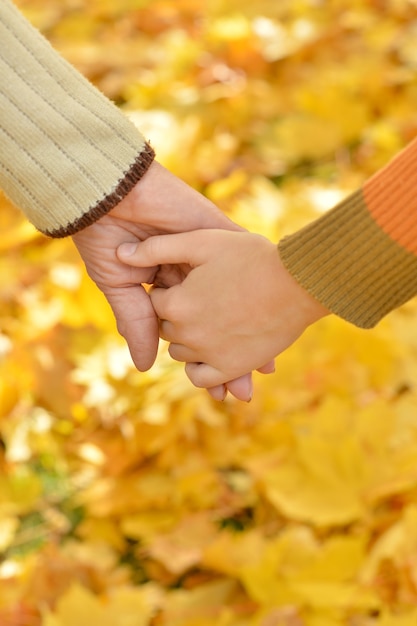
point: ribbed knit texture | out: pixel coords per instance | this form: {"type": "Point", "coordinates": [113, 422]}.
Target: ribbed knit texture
{"type": "Point", "coordinates": [350, 264]}
{"type": "Point", "coordinates": [67, 154]}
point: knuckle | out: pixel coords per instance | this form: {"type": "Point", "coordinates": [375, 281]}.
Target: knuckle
{"type": "Point", "coordinates": [153, 249]}
{"type": "Point", "coordinates": [195, 375]}
{"type": "Point", "coordinates": [172, 309]}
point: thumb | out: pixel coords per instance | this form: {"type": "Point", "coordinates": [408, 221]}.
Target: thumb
{"type": "Point", "coordinates": [189, 247]}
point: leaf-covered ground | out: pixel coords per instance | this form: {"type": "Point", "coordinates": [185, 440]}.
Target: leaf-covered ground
{"type": "Point", "coordinates": [131, 499]}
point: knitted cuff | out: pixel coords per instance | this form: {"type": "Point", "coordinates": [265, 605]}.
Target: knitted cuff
{"type": "Point", "coordinates": [67, 154]}
{"type": "Point", "coordinates": [126, 184]}
{"type": "Point", "coordinates": [350, 265]}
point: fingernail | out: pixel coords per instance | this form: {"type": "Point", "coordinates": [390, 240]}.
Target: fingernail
{"type": "Point", "coordinates": [224, 394]}
{"type": "Point", "coordinates": [127, 249]}
{"type": "Point", "coordinates": [250, 391]}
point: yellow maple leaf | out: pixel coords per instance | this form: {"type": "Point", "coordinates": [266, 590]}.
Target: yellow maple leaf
{"type": "Point", "coordinates": [229, 553]}
{"type": "Point", "coordinates": [123, 607]}
{"type": "Point", "coordinates": [323, 477]}
{"type": "Point", "coordinates": [183, 547]}
{"type": "Point", "coordinates": [200, 606]}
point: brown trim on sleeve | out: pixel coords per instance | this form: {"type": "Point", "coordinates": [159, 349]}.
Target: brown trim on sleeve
{"type": "Point", "coordinates": [124, 186]}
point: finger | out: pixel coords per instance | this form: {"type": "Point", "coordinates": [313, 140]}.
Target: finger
{"type": "Point", "coordinates": [203, 375]}
{"type": "Point", "coordinates": [268, 368]}
{"type": "Point", "coordinates": [170, 275]}
{"type": "Point", "coordinates": [218, 393]}
{"type": "Point", "coordinates": [186, 247]}
{"type": "Point", "coordinates": [241, 388]}
{"type": "Point", "coordinates": [179, 352]}
{"type": "Point", "coordinates": [170, 333]}
{"type": "Point", "coordinates": [161, 299]}
{"type": "Point", "coordinates": [136, 322]}
{"type": "Point", "coordinates": [166, 331]}
{"type": "Point", "coordinates": [172, 327]}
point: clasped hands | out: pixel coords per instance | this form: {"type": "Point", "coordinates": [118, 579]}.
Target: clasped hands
{"type": "Point", "coordinates": [223, 298]}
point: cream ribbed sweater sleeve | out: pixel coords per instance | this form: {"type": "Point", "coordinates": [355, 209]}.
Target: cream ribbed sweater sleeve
{"type": "Point", "coordinates": [67, 154]}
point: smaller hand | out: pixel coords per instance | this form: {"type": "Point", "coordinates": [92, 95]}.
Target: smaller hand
{"type": "Point", "coordinates": [237, 308]}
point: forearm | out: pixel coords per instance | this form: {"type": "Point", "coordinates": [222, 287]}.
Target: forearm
{"type": "Point", "coordinates": [360, 258]}
{"type": "Point", "coordinates": [67, 154]}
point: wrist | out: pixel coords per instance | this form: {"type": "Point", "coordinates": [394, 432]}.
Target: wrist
{"type": "Point", "coordinates": [309, 306]}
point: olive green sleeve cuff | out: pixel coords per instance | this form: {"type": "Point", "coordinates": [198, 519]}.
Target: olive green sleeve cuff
{"type": "Point", "coordinates": [350, 265]}
{"type": "Point", "coordinates": [67, 154]}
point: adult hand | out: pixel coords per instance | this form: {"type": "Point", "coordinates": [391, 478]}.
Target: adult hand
{"type": "Point", "coordinates": [235, 310]}
{"type": "Point", "coordinates": [159, 203]}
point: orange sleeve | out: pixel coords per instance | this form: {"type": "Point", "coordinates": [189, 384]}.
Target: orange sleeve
{"type": "Point", "coordinates": [360, 258]}
{"type": "Point", "coordinates": [391, 198]}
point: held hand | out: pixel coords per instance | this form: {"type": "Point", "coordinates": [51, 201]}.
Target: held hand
{"type": "Point", "coordinates": [236, 310]}
{"type": "Point", "coordinates": [160, 203]}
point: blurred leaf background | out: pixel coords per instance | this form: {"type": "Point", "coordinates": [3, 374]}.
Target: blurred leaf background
{"type": "Point", "coordinates": [131, 499]}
